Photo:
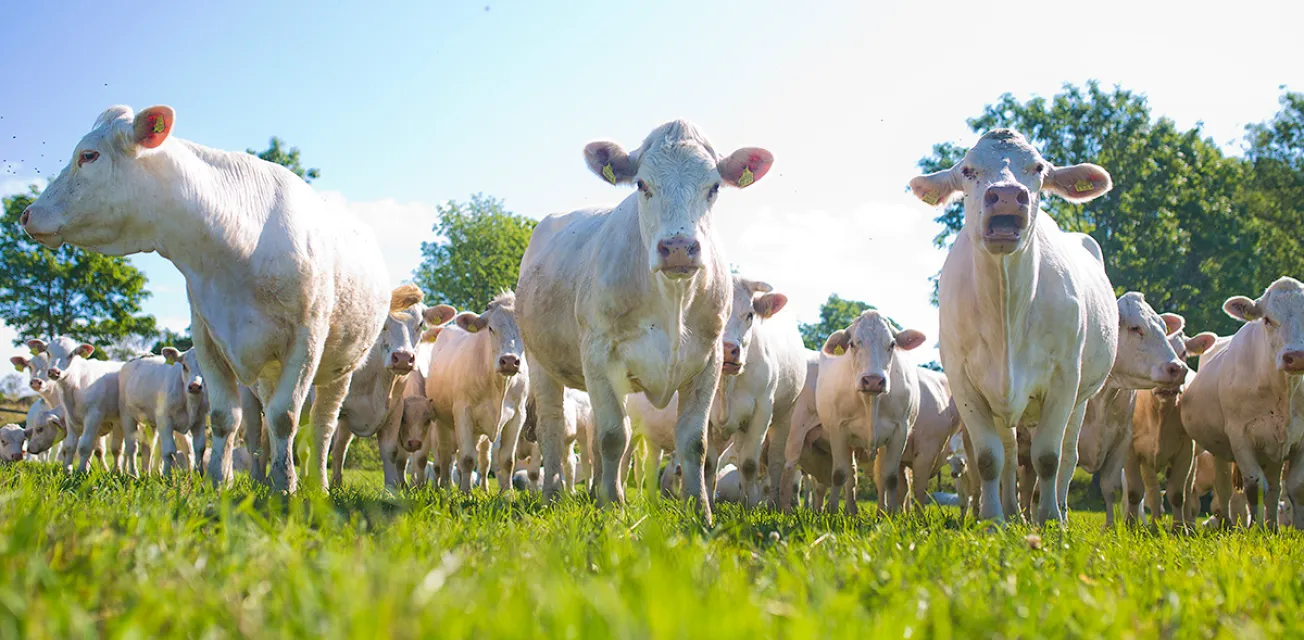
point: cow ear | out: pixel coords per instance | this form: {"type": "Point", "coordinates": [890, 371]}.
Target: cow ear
{"type": "Point", "coordinates": [84, 350]}
{"type": "Point", "coordinates": [769, 304]}
{"type": "Point", "coordinates": [439, 314]}
{"type": "Point", "coordinates": [937, 188]}
{"type": "Point", "coordinates": [471, 322]}
{"type": "Point", "coordinates": [836, 345]}
{"type": "Point", "coordinates": [153, 125]}
{"type": "Point", "coordinates": [171, 355]}
{"type": "Point", "coordinates": [909, 339]}
{"type": "Point", "coordinates": [1243, 309]}
{"type": "Point", "coordinates": [54, 419]}
{"type": "Point", "coordinates": [37, 347]}
{"type": "Point", "coordinates": [610, 162]}
{"type": "Point", "coordinates": [1199, 343]}
{"type": "Point", "coordinates": [19, 362]}
{"type": "Point", "coordinates": [745, 166]}
{"type": "Point", "coordinates": [1173, 322]}
{"type": "Point", "coordinates": [431, 334]}
{"type": "Point", "coordinates": [1079, 182]}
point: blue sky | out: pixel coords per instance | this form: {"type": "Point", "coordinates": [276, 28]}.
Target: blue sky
{"type": "Point", "coordinates": [404, 106]}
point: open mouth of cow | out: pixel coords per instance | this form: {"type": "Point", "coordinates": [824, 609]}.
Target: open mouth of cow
{"type": "Point", "coordinates": [1168, 392]}
{"type": "Point", "coordinates": [731, 368]}
{"type": "Point", "coordinates": [1005, 228]}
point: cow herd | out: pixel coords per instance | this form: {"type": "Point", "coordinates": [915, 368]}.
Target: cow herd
{"type": "Point", "coordinates": [627, 321]}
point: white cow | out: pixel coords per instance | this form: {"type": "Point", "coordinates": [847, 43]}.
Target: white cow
{"type": "Point", "coordinates": [167, 393]}
{"type": "Point", "coordinates": [88, 394]}
{"type": "Point", "coordinates": [283, 288]}
{"type": "Point", "coordinates": [764, 370]}
{"type": "Point", "coordinates": [805, 435]}
{"type": "Point", "coordinates": [1029, 324]}
{"type": "Point", "coordinates": [927, 445]}
{"type": "Point", "coordinates": [11, 444]}
{"type": "Point", "coordinates": [579, 428]}
{"type": "Point", "coordinates": [868, 398]}
{"type": "Point", "coordinates": [1160, 443]}
{"type": "Point", "coordinates": [634, 298]}
{"type": "Point", "coordinates": [477, 385]}
{"type": "Point", "coordinates": [1146, 359]}
{"type": "Point", "coordinates": [375, 404]}
{"type": "Point", "coordinates": [37, 367]}
{"type": "Point", "coordinates": [45, 426]}
{"type": "Point", "coordinates": [1241, 405]}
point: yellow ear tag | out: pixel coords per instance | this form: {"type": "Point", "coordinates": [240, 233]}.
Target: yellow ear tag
{"type": "Point", "coordinates": [930, 197]}
{"type": "Point", "coordinates": [609, 174]}
{"type": "Point", "coordinates": [1082, 186]}
{"type": "Point", "coordinates": [838, 350]}
{"type": "Point", "coordinates": [746, 178]}
{"type": "Point", "coordinates": [19, 368]}
{"type": "Point", "coordinates": [158, 124]}
{"type": "Point", "coordinates": [34, 351]}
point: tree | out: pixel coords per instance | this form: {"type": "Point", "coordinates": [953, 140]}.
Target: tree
{"type": "Point", "coordinates": [836, 313]}
{"type": "Point", "coordinates": [476, 255]}
{"type": "Point", "coordinates": [1273, 192]}
{"type": "Point", "coordinates": [82, 294]}
{"type": "Point", "coordinates": [1170, 228]}
{"type": "Point", "coordinates": [170, 338]}
{"type": "Point", "coordinates": [287, 157]}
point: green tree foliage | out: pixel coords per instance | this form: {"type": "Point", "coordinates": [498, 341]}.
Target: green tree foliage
{"type": "Point", "coordinates": [836, 313]}
{"type": "Point", "coordinates": [1273, 192]}
{"type": "Point", "coordinates": [476, 255]}
{"type": "Point", "coordinates": [287, 157]}
{"type": "Point", "coordinates": [82, 294]}
{"type": "Point", "coordinates": [1175, 225]}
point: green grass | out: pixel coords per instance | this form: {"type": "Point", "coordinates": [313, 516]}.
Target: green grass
{"type": "Point", "coordinates": [109, 556]}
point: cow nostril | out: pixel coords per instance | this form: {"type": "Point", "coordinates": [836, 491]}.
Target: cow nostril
{"type": "Point", "coordinates": [27, 215]}
{"type": "Point", "coordinates": [992, 197]}
{"type": "Point", "coordinates": [663, 250]}
{"type": "Point", "coordinates": [1021, 197]}
{"type": "Point", "coordinates": [695, 248]}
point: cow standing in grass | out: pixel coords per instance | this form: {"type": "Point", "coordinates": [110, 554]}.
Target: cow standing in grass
{"type": "Point", "coordinates": [283, 288]}
{"type": "Point", "coordinates": [634, 298]}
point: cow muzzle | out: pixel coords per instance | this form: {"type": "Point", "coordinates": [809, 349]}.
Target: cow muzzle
{"type": "Point", "coordinates": [1291, 361]}
{"type": "Point", "coordinates": [733, 359]}
{"type": "Point", "coordinates": [1005, 214]}
{"type": "Point", "coordinates": [402, 362]}
{"type": "Point", "coordinates": [30, 222]}
{"type": "Point", "coordinates": [55, 373]}
{"type": "Point", "coordinates": [509, 365]}
{"type": "Point", "coordinates": [195, 387]}
{"type": "Point", "coordinates": [36, 385]}
{"type": "Point", "coordinates": [1172, 373]}
{"type": "Point", "coordinates": [872, 383]}
{"type": "Point", "coordinates": [412, 445]}
{"type": "Point", "coordinates": [679, 256]}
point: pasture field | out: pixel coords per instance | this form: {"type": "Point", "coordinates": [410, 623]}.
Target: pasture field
{"type": "Point", "coordinates": [111, 556]}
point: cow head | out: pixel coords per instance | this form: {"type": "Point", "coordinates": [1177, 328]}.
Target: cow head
{"type": "Point", "coordinates": [752, 303]}
{"type": "Point", "coordinates": [678, 175]}
{"type": "Point", "coordinates": [43, 429]}
{"type": "Point", "coordinates": [37, 366]}
{"type": "Point", "coordinates": [1185, 348]}
{"type": "Point", "coordinates": [66, 355]}
{"type": "Point", "coordinates": [115, 173]}
{"type": "Point", "coordinates": [405, 325]}
{"type": "Point", "coordinates": [499, 320]}
{"type": "Point", "coordinates": [417, 415]}
{"type": "Point", "coordinates": [1146, 358]}
{"type": "Point", "coordinates": [1281, 309]}
{"type": "Point", "coordinates": [192, 379]}
{"type": "Point", "coordinates": [1001, 180]}
{"type": "Point", "coordinates": [872, 341]}
{"type": "Point", "coordinates": [11, 443]}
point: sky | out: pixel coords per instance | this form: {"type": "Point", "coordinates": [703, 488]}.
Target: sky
{"type": "Point", "coordinates": [407, 105]}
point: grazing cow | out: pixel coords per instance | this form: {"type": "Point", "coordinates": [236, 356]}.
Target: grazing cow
{"type": "Point", "coordinates": [764, 370]}
{"type": "Point", "coordinates": [88, 395]}
{"type": "Point", "coordinates": [283, 288]}
{"type": "Point", "coordinates": [1160, 442]}
{"type": "Point", "coordinates": [45, 426]}
{"type": "Point", "coordinates": [1145, 359]}
{"type": "Point", "coordinates": [868, 398]}
{"type": "Point", "coordinates": [11, 443]}
{"type": "Point", "coordinates": [1240, 406]}
{"type": "Point", "coordinates": [167, 393]}
{"type": "Point", "coordinates": [477, 385]}
{"type": "Point", "coordinates": [927, 445]}
{"type": "Point", "coordinates": [1029, 324]}
{"type": "Point", "coordinates": [375, 403]}
{"type": "Point", "coordinates": [634, 298]}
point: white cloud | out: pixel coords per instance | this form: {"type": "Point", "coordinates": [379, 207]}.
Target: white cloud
{"type": "Point", "coordinates": [13, 181]}
{"type": "Point", "coordinates": [7, 337]}
{"type": "Point", "coordinates": [400, 228]}
{"type": "Point", "coordinates": [881, 252]}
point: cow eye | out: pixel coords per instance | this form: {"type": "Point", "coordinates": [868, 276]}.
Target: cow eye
{"type": "Point", "coordinates": [750, 315]}
{"type": "Point", "coordinates": [1136, 330]}
{"type": "Point", "coordinates": [87, 157]}
{"type": "Point", "coordinates": [968, 172]}
{"type": "Point", "coordinates": [642, 186]}
{"type": "Point", "coordinates": [1037, 168]}
{"type": "Point", "coordinates": [715, 189]}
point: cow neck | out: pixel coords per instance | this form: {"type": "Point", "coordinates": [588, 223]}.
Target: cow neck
{"type": "Point", "coordinates": [204, 225]}
{"type": "Point", "coordinates": [495, 382]}
{"type": "Point", "coordinates": [1010, 282]}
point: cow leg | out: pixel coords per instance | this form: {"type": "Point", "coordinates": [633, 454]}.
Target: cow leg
{"type": "Point", "coordinates": [1143, 474]}
{"type": "Point", "coordinates": [585, 443]}
{"type": "Point", "coordinates": [445, 445]}
{"type": "Point", "coordinates": [549, 400]}
{"type": "Point", "coordinates": [224, 406]}
{"type": "Point", "coordinates": [324, 417]}
{"type": "Point", "coordinates": [506, 446]}
{"type": "Point", "coordinates": [988, 456]}
{"type": "Point", "coordinates": [840, 449]}
{"type": "Point", "coordinates": [1055, 447]}
{"type": "Point", "coordinates": [482, 462]}
{"type": "Point", "coordinates": [749, 444]}
{"type": "Point", "coordinates": [464, 431]}
{"type": "Point", "coordinates": [391, 462]}
{"type": "Point", "coordinates": [1222, 491]}
{"type": "Point", "coordinates": [252, 409]}
{"type": "Point", "coordinates": [711, 463]}
{"type": "Point", "coordinates": [613, 440]}
{"type": "Point", "coordinates": [1273, 495]}
{"type": "Point", "coordinates": [690, 432]}
{"type": "Point", "coordinates": [168, 448]}
{"type": "Point", "coordinates": [777, 463]}
{"type": "Point", "coordinates": [90, 433]}
{"type": "Point", "coordinates": [1253, 475]}
{"type": "Point", "coordinates": [890, 479]}
{"type": "Point", "coordinates": [1180, 472]}
{"type": "Point", "coordinates": [339, 451]}
{"type": "Point", "coordinates": [1112, 485]}
{"type": "Point", "coordinates": [129, 429]}
{"type": "Point", "coordinates": [115, 447]}
{"type": "Point", "coordinates": [198, 444]}
{"type": "Point", "coordinates": [1295, 485]}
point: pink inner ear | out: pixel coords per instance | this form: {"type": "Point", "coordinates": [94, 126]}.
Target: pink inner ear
{"type": "Point", "coordinates": [909, 339]}
{"type": "Point", "coordinates": [1173, 322]}
{"type": "Point", "coordinates": [770, 304]}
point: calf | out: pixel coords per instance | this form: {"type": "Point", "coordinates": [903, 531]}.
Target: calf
{"type": "Point", "coordinates": [477, 386]}
{"type": "Point", "coordinates": [764, 370]}
{"type": "Point", "coordinates": [285, 290]}
{"type": "Point", "coordinates": [1240, 406]}
{"type": "Point", "coordinates": [1160, 443]}
{"type": "Point", "coordinates": [88, 395]}
{"type": "Point", "coordinates": [1146, 359]}
{"type": "Point", "coordinates": [634, 298]}
{"type": "Point", "coordinates": [375, 403]}
{"type": "Point", "coordinates": [868, 398]}
{"type": "Point", "coordinates": [926, 446]}
{"type": "Point", "coordinates": [11, 443]}
{"type": "Point", "coordinates": [45, 426]}
{"type": "Point", "coordinates": [37, 367]}
{"type": "Point", "coordinates": [1029, 324]}
{"type": "Point", "coordinates": [167, 393]}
